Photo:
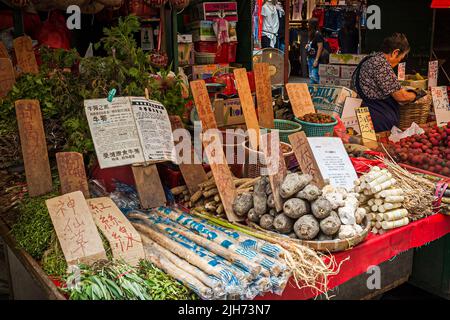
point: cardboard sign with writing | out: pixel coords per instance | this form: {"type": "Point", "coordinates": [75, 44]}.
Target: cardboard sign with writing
{"type": "Point", "coordinates": [401, 71]}
{"type": "Point", "coordinates": [123, 238]}
{"type": "Point", "coordinates": [441, 106]}
{"type": "Point", "coordinates": [264, 95]}
{"type": "Point", "coordinates": [149, 186]}
{"type": "Point", "coordinates": [248, 107]}
{"type": "Point", "coordinates": [193, 172]}
{"type": "Point", "coordinates": [7, 76]}
{"type": "Point", "coordinates": [72, 173]}
{"type": "Point", "coordinates": [300, 99]}
{"type": "Point", "coordinates": [305, 157]}
{"type": "Point", "coordinates": [26, 60]}
{"type": "Point", "coordinates": [221, 171]}
{"type": "Point", "coordinates": [275, 165]}
{"type": "Point", "coordinates": [433, 69]}
{"type": "Point", "coordinates": [75, 228]}
{"type": "Point", "coordinates": [369, 137]}
{"type": "Point", "coordinates": [3, 51]}
{"type": "Point", "coordinates": [34, 147]}
{"type": "Point", "coordinates": [349, 117]}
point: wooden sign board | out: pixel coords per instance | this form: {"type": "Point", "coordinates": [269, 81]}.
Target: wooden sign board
{"type": "Point", "coordinates": [248, 107]}
{"type": "Point", "coordinates": [26, 60]}
{"type": "Point", "coordinates": [275, 165]}
{"type": "Point", "coordinates": [75, 228]}
{"type": "Point", "coordinates": [368, 134]}
{"type": "Point", "coordinates": [300, 99]}
{"type": "Point", "coordinates": [72, 173]}
{"type": "Point", "coordinates": [7, 76]}
{"type": "Point", "coordinates": [433, 70]}
{"type": "Point", "coordinates": [193, 172]}
{"type": "Point", "coordinates": [125, 241]}
{"type": "Point", "coordinates": [221, 171]}
{"type": "Point", "coordinates": [34, 147]}
{"type": "Point", "coordinates": [264, 95]}
{"type": "Point", "coordinates": [3, 51]}
{"type": "Point", "coordinates": [305, 157]}
{"type": "Point", "coordinates": [441, 105]}
{"type": "Point", "coordinates": [149, 186]}
{"type": "Point", "coordinates": [401, 71]}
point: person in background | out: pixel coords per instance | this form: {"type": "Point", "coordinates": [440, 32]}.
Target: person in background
{"type": "Point", "coordinates": [314, 48]}
{"type": "Point", "coordinates": [376, 82]}
{"type": "Point", "coordinates": [348, 36]}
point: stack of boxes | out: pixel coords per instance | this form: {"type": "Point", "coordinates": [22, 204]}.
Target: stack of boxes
{"type": "Point", "coordinates": [340, 70]}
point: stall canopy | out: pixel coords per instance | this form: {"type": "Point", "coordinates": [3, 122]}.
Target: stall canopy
{"type": "Point", "coordinates": [440, 4]}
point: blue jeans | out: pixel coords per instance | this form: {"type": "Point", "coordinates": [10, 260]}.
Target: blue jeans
{"type": "Point", "coordinates": [313, 72]}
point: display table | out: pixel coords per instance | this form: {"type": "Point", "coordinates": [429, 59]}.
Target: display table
{"type": "Point", "coordinates": [375, 250]}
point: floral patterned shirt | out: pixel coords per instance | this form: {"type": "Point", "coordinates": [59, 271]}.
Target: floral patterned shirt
{"type": "Point", "coordinates": [377, 79]}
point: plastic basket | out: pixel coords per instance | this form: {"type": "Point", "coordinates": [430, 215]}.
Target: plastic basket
{"type": "Point", "coordinates": [285, 129]}
{"type": "Point", "coordinates": [317, 129]}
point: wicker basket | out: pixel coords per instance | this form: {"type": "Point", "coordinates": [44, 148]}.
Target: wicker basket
{"type": "Point", "coordinates": [285, 129]}
{"type": "Point", "coordinates": [317, 129]}
{"type": "Point", "coordinates": [417, 112]}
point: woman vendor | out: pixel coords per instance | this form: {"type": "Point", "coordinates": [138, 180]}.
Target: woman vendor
{"type": "Point", "coordinates": [376, 82]}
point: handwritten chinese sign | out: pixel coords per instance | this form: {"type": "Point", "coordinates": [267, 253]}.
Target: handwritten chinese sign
{"type": "Point", "coordinates": [75, 228]}
{"type": "Point", "coordinates": [369, 137]}
{"type": "Point", "coordinates": [401, 71]}
{"type": "Point", "coordinates": [72, 174]}
{"type": "Point", "coordinates": [34, 147]}
{"type": "Point", "coordinates": [300, 99]}
{"type": "Point", "coordinates": [441, 105]}
{"type": "Point", "coordinates": [7, 76]}
{"type": "Point", "coordinates": [124, 240]}
{"type": "Point", "coordinates": [305, 157]}
{"type": "Point", "coordinates": [264, 95]}
{"type": "Point", "coordinates": [26, 60]}
{"type": "Point", "coordinates": [433, 69]}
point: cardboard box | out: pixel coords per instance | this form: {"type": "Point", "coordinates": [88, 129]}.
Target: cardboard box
{"type": "Point", "coordinates": [228, 112]}
{"type": "Point", "coordinates": [329, 70]}
{"type": "Point", "coordinates": [345, 83]}
{"type": "Point", "coordinates": [184, 38]}
{"type": "Point", "coordinates": [330, 81]}
{"type": "Point", "coordinates": [347, 59]}
{"type": "Point", "coordinates": [347, 71]}
{"type": "Point", "coordinates": [206, 71]}
{"type": "Point", "coordinates": [203, 30]}
{"type": "Point", "coordinates": [214, 10]}
{"type": "Point", "coordinates": [330, 98]}
{"type": "Point", "coordinates": [185, 54]}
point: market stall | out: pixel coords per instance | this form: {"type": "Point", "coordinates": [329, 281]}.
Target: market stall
{"type": "Point", "coordinates": [106, 195]}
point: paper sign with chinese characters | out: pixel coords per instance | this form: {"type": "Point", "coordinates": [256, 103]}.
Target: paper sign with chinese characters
{"type": "Point", "coordinates": [75, 228]}
{"type": "Point", "coordinates": [433, 68]}
{"type": "Point", "coordinates": [124, 240]}
{"type": "Point", "coordinates": [401, 71]}
{"type": "Point", "coordinates": [440, 103]}
{"type": "Point", "coordinates": [369, 136]}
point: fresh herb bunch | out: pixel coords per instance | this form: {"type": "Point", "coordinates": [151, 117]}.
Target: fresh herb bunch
{"type": "Point", "coordinates": [163, 286]}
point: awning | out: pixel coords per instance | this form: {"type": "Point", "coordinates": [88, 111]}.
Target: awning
{"type": "Point", "coordinates": [440, 4]}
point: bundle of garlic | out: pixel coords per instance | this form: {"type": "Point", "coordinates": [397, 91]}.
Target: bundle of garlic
{"type": "Point", "coordinates": [382, 200]}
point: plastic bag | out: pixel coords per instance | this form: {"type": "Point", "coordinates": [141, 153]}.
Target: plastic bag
{"type": "Point", "coordinates": [363, 165]}
{"type": "Point", "coordinates": [340, 130]}
{"type": "Point", "coordinates": [397, 134]}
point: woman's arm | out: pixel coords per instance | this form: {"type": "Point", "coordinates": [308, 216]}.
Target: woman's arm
{"type": "Point", "coordinates": [318, 54]}
{"type": "Point", "coordinates": [403, 96]}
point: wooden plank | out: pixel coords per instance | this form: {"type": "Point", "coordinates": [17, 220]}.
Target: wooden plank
{"type": "Point", "coordinates": [75, 228]}
{"type": "Point", "coordinates": [72, 173]}
{"type": "Point", "coordinates": [26, 60]}
{"type": "Point", "coordinates": [264, 95]}
{"type": "Point", "coordinates": [34, 147]}
{"type": "Point", "coordinates": [276, 166]}
{"type": "Point", "coordinates": [7, 76]}
{"type": "Point", "coordinates": [193, 172]}
{"type": "Point", "coordinates": [149, 186]}
{"type": "Point", "coordinates": [369, 137]}
{"type": "Point", "coordinates": [3, 51]}
{"type": "Point", "coordinates": [300, 99]}
{"type": "Point", "coordinates": [305, 157]}
{"type": "Point", "coordinates": [248, 107]}
{"type": "Point", "coordinates": [221, 171]}
{"type": "Point", "coordinates": [123, 238]}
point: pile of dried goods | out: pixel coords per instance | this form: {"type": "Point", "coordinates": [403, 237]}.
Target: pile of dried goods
{"type": "Point", "coordinates": [317, 118]}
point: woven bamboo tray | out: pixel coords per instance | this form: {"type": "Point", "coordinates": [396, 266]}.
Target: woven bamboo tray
{"type": "Point", "coordinates": [417, 112]}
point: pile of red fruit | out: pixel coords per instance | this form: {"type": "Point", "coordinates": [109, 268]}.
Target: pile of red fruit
{"type": "Point", "coordinates": [429, 151]}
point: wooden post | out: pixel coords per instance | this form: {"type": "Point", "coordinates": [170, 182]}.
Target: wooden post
{"type": "Point", "coordinates": [300, 99]}
{"type": "Point", "coordinates": [193, 173]}
{"type": "Point", "coordinates": [248, 107]}
{"type": "Point", "coordinates": [7, 76]}
{"type": "Point", "coordinates": [148, 185]}
{"type": "Point", "coordinates": [26, 59]}
{"type": "Point", "coordinates": [264, 95]}
{"type": "Point", "coordinates": [34, 147]}
{"type": "Point", "coordinates": [72, 173]}
{"type": "Point", "coordinates": [221, 171]}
